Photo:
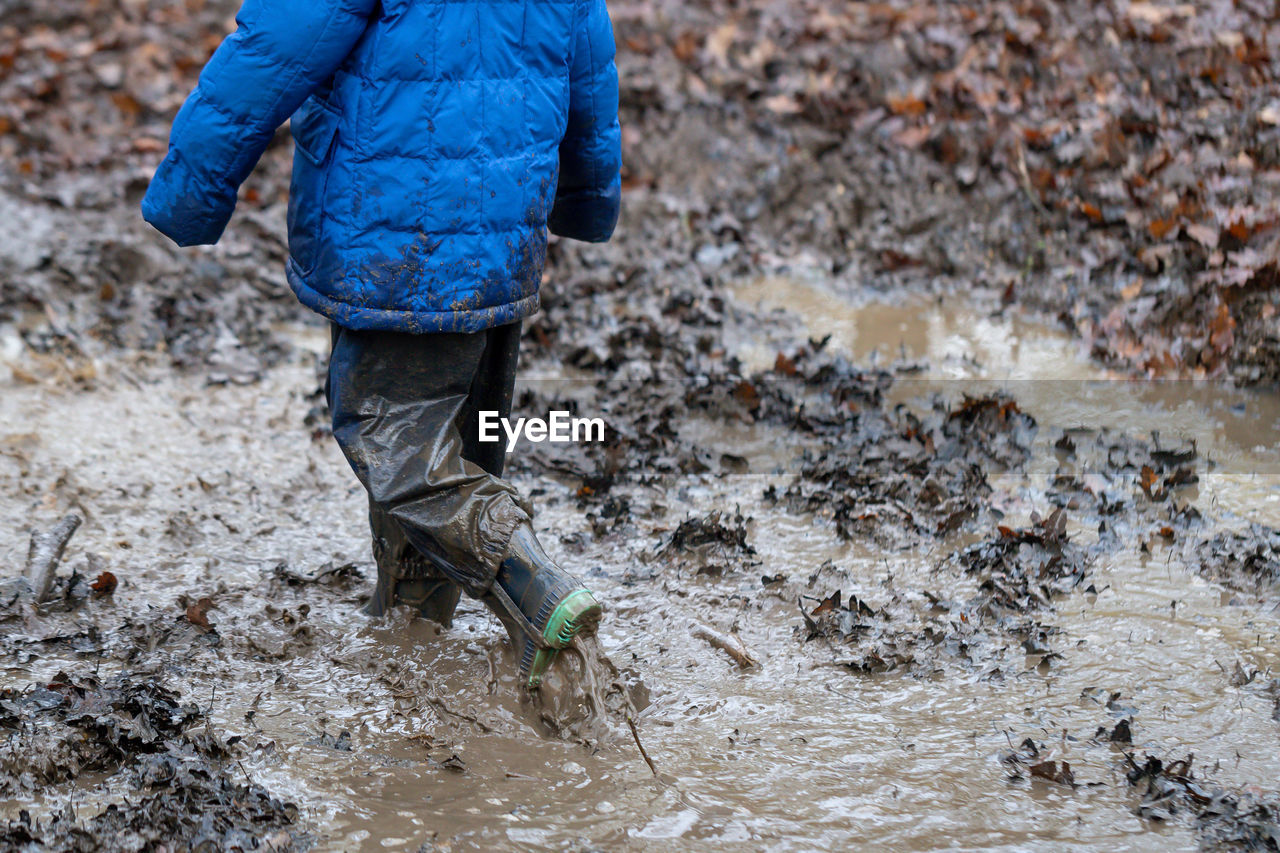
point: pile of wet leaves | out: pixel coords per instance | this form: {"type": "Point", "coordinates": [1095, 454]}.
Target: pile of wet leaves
{"type": "Point", "coordinates": [186, 785]}
{"type": "Point", "coordinates": [713, 543]}
{"type": "Point", "coordinates": [1132, 489]}
{"type": "Point", "coordinates": [1224, 820]}
{"type": "Point", "coordinates": [1122, 158]}
{"type": "Point", "coordinates": [988, 618]}
{"type": "Point", "coordinates": [66, 727]}
{"type": "Point", "coordinates": [1029, 760]}
{"type": "Point", "coordinates": [128, 724]}
{"type": "Point", "coordinates": [87, 92]}
{"type": "Point", "coordinates": [1246, 820]}
{"type": "Point", "coordinates": [899, 473]}
{"type": "Point", "coordinates": [877, 640]}
{"type": "Point", "coordinates": [1024, 569]}
{"type": "Point", "coordinates": [896, 474]}
{"type": "Point", "coordinates": [1247, 559]}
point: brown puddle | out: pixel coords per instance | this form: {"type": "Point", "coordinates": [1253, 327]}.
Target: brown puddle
{"type": "Point", "coordinates": [795, 754]}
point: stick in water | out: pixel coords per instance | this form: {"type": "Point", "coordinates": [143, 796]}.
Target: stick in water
{"type": "Point", "coordinates": [45, 552]}
{"type": "Point", "coordinates": [726, 643]}
{"type": "Point", "coordinates": [635, 734]}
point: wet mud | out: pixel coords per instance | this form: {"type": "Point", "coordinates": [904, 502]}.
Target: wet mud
{"type": "Point", "coordinates": [893, 546]}
{"type": "Point", "coordinates": [764, 639]}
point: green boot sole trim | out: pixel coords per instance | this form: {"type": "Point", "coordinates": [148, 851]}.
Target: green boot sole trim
{"type": "Point", "coordinates": [539, 662]}
{"type": "Point", "coordinates": [577, 613]}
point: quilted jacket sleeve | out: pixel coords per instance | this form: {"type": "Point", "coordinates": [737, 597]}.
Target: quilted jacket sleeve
{"type": "Point", "coordinates": [589, 192]}
{"type": "Point", "coordinates": [280, 52]}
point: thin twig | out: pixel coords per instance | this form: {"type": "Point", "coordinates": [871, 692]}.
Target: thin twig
{"type": "Point", "coordinates": [635, 734]}
{"type": "Point", "coordinates": [1024, 178]}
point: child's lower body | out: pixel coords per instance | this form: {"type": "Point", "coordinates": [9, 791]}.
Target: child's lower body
{"type": "Point", "coordinates": [405, 412]}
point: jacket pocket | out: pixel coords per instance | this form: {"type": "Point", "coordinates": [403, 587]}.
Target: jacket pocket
{"type": "Point", "coordinates": [315, 127]}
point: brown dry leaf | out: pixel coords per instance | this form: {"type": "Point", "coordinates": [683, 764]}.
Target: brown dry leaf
{"type": "Point", "coordinates": [686, 46]}
{"type": "Point", "coordinates": [104, 585]}
{"type": "Point", "coordinates": [1222, 329]}
{"type": "Point", "coordinates": [1204, 235]}
{"type": "Point", "coordinates": [892, 259]}
{"type": "Point", "coordinates": [1161, 228]}
{"type": "Point", "coordinates": [784, 365]}
{"type": "Point", "coordinates": [1049, 771]}
{"type": "Point", "coordinates": [197, 614]}
{"type": "Point", "coordinates": [1090, 210]}
{"type": "Point", "coordinates": [1239, 228]}
{"type": "Point", "coordinates": [830, 604]}
{"type": "Point", "coordinates": [127, 104]}
{"type": "Point", "coordinates": [905, 105]}
{"type": "Point", "coordinates": [747, 394]}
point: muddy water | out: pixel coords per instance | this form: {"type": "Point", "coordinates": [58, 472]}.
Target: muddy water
{"type": "Point", "coordinates": [960, 349]}
{"type": "Point", "coordinates": [203, 490]}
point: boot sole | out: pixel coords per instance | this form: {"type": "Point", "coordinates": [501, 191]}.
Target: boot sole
{"type": "Point", "coordinates": [578, 613]}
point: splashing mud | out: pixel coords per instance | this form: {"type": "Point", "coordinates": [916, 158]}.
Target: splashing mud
{"type": "Point", "coordinates": [584, 697]}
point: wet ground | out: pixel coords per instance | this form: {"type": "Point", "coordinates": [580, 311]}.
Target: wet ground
{"type": "Point", "coordinates": [937, 346]}
{"type": "Point", "coordinates": [896, 715]}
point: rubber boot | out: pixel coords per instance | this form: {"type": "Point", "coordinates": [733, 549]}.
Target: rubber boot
{"type": "Point", "coordinates": [406, 576]}
{"type": "Point", "coordinates": [433, 599]}
{"type": "Point", "coordinates": [542, 606]}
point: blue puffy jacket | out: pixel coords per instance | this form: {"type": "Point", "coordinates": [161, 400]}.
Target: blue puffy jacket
{"type": "Point", "coordinates": [435, 142]}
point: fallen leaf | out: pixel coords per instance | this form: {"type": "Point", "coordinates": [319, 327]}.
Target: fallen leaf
{"type": "Point", "coordinates": [1090, 210]}
{"type": "Point", "coordinates": [1161, 228]}
{"type": "Point", "coordinates": [830, 604]}
{"type": "Point", "coordinates": [1203, 234]}
{"type": "Point", "coordinates": [784, 365]}
{"type": "Point", "coordinates": [197, 613]}
{"type": "Point", "coordinates": [783, 104]}
{"type": "Point", "coordinates": [104, 585]}
{"type": "Point", "coordinates": [1050, 771]}
{"type": "Point", "coordinates": [747, 394]}
{"type": "Point", "coordinates": [906, 105]}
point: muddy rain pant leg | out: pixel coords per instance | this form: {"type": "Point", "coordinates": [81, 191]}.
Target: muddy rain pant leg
{"type": "Point", "coordinates": [404, 572]}
{"type": "Point", "coordinates": [492, 392]}
{"type": "Point", "coordinates": [400, 406]}
{"type": "Point", "coordinates": [406, 575]}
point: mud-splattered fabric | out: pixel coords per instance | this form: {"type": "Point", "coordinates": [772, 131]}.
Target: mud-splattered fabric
{"type": "Point", "coordinates": [436, 140]}
{"type": "Point", "coordinates": [397, 559]}
{"type": "Point", "coordinates": [404, 411]}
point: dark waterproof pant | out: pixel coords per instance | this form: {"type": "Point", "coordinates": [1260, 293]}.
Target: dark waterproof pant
{"type": "Point", "coordinates": [405, 412]}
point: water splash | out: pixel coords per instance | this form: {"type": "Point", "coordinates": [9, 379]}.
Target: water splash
{"type": "Point", "coordinates": [585, 698]}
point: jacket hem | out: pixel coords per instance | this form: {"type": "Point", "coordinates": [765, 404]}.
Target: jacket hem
{"type": "Point", "coordinates": [399, 320]}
